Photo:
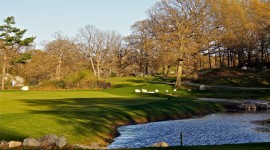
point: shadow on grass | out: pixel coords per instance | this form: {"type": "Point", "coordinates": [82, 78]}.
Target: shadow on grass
{"type": "Point", "coordinates": [99, 117]}
{"type": "Point", "coordinates": [233, 93]}
{"type": "Point", "coordinates": [11, 135]}
{"type": "Point", "coordinates": [137, 80]}
{"type": "Point", "coordinates": [155, 79]}
{"type": "Point", "coordinates": [121, 85]}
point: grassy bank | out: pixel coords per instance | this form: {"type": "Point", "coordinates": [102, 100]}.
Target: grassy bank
{"type": "Point", "coordinates": [232, 93]}
{"type": "Point", "coordinates": [92, 116]}
{"type": "Point", "coordinates": [87, 117]}
{"type": "Point", "coordinates": [235, 77]}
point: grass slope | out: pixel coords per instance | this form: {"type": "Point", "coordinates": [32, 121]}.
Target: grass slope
{"type": "Point", "coordinates": [92, 116]}
{"type": "Point", "coordinates": [235, 77]}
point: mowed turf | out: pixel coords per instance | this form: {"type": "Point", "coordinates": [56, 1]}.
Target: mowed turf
{"type": "Point", "coordinates": [92, 116]}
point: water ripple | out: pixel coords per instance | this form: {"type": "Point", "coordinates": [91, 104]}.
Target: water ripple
{"type": "Point", "coordinates": [215, 129]}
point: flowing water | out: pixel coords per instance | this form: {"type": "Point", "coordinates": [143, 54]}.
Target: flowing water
{"type": "Point", "coordinates": [215, 129]}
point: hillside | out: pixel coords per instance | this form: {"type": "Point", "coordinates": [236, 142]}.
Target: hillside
{"type": "Point", "coordinates": [235, 77]}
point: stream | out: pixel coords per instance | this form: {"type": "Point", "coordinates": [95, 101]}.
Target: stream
{"type": "Point", "coordinates": [214, 129]}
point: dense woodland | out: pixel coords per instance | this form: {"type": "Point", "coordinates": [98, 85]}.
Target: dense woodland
{"type": "Point", "coordinates": [201, 33]}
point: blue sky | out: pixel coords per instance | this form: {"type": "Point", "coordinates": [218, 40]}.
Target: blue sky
{"type": "Point", "coordinates": [42, 18]}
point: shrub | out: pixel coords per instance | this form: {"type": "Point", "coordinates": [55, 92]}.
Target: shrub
{"type": "Point", "coordinates": [83, 79]}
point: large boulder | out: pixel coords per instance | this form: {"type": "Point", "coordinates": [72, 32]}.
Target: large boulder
{"type": "Point", "coordinates": [61, 142]}
{"type": "Point", "coordinates": [244, 68]}
{"type": "Point", "coordinates": [48, 141]}
{"type": "Point", "coordinates": [202, 88]}
{"type": "Point", "coordinates": [14, 144]}
{"type": "Point", "coordinates": [3, 145]}
{"type": "Point", "coordinates": [31, 142]}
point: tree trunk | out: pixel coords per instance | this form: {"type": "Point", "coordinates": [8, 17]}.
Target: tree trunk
{"type": "Point", "coordinates": [220, 59]}
{"type": "Point", "coordinates": [232, 59]}
{"type": "Point", "coordinates": [179, 74]}
{"type": "Point", "coordinates": [241, 62]}
{"type": "Point", "coordinates": [201, 63]}
{"type": "Point", "coordinates": [93, 66]}
{"type": "Point", "coordinates": [58, 69]}
{"type": "Point", "coordinates": [266, 57]}
{"type": "Point", "coordinates": [249, 57]}
{"type": "Point", "coordinates": [223, 59]}
{"type": "Point", "coordinates": [4, 70]}
{"type": "Point", "coordinates": [262, 50]}
{"type": "Point", "coordinates": [98, 70]}
{"type": "Point", "coordinates": [228, 58]}
{"type": "Point", "coordinates": [146, 68]}
{"type": "Point", "coordinates": [195, 71]}
{"type": "Point", "coordinates": [209, 59]}
{"type": "Point", "coordinates": [164, 71]}
{"type": "Point", "coordinates": [168, 70]}
{"type": "Point", "coordinates": [216, 61]}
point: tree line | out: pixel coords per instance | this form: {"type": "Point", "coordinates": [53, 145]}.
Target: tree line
{"type": "Point", "coordinates": [188, 34]}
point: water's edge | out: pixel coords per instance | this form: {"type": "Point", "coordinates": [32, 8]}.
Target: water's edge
{"type": "Point", "coordinates": [143, 135]}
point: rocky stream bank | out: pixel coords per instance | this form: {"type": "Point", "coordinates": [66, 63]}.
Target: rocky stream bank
{"type": "Point", "coordinates": [46, 142]}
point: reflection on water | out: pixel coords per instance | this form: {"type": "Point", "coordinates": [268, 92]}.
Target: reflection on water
{"type": "Point", "coordinates": [215, 129]}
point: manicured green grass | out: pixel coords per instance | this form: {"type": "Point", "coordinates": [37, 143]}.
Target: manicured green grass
{"type": "Point", "coordinates": [92, 116]}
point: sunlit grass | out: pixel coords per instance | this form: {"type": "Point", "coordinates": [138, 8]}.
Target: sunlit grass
{"type": "Point", "coordinates": [91, 116]}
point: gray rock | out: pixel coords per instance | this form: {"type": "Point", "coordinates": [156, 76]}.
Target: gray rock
{"type": "Point", "coordinates": [79, 146]}
{"type": "Point", "coordinates": [261, 105]}
{"type": "Point", "coordinates": [244, 68]}
{"type": "Point", "coordinates": [3, 145]}
{"type": "Point", "coordinates": [202, 87]}
{"type": "Point", "coordinates": [14, 144]}
{"type": "Point", "coordinates": [160, 144]}
{"type": "Point", "coordinates": [31, 142]}
{"type": "Point", "coordinates": [61, 142]}
{"type": "Point", "coordinates": [48, 141]}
